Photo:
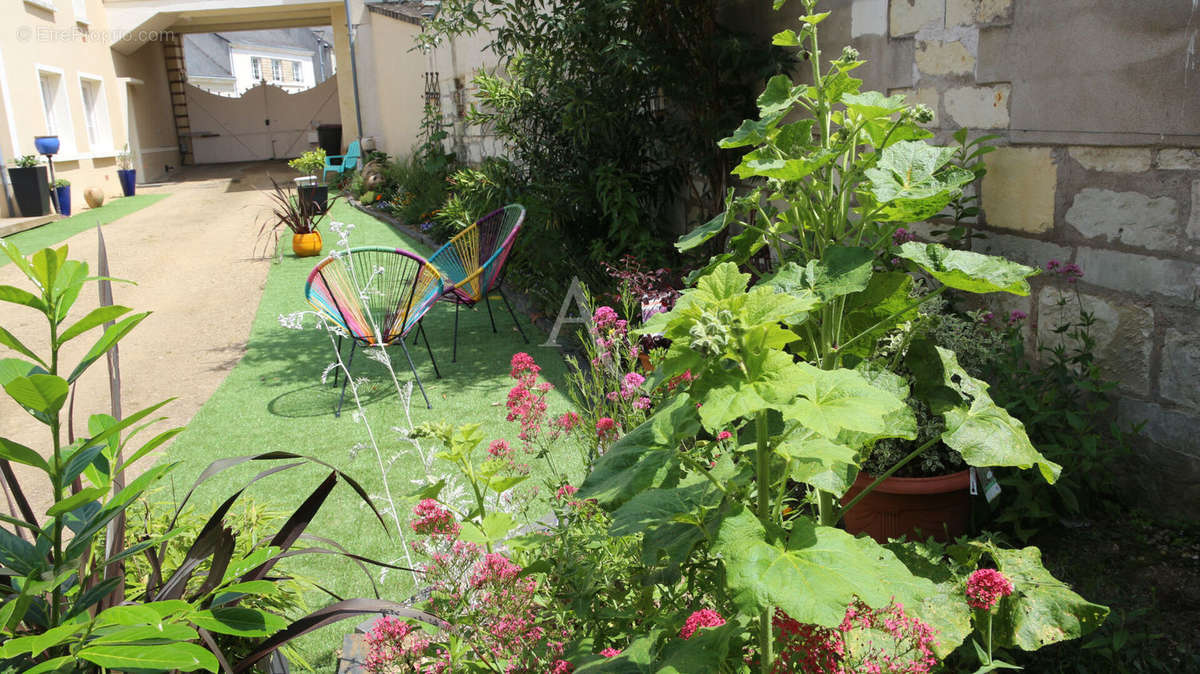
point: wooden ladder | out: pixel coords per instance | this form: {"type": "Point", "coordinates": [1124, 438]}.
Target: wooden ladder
{"type": "Point", "coordinates": [177, 85]}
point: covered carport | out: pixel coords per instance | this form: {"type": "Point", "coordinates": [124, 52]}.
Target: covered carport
{"type": "Point", "coordinates": [208, 130]}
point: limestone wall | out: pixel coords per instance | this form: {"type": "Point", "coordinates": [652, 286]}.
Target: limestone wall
{"type": "Point", "coordinates": [1098, 107]}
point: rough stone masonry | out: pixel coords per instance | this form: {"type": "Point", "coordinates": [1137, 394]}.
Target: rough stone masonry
{"type": "Point", "coordinates": [1098, 109]}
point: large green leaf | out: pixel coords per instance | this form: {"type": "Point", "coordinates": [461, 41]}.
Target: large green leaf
{"type": "Point", "coordinates": [772, 383]}
{"type": "Point", "coordinates": [185, 657]}
{"type": "Point", "coordinates": [873, 104]}
{"type": "Point", "coordinates": [42, 395]}
{"type": "Point", "coordinates": [707, 647]}
{"type": "Point", "coordinates": [645, 457]}
{"type": "Point", "coordinates": [841, 271]}
{"type": "Point", "coordinates": [819, 462]}
{"type": "Point", "coordinates": [765, 162]}
{"type": "Point", "coordinates": [946, 610]}
{"type": "Point", "coordinates": [128, 634]}
{"type": "Point", "coordinates": [778, 96]}
{"type": "Point", "coordinates": [965, 270]}
{"type": "Point", "coordinates": [979, 429]}
{"type": "Point", "coordinates": [14, 451]}
{"type": "Point", "coordinates": [752, 132]}
{"type": "Point", "coordinates": [492, 529]}
{"type": "Point", "coordinates": [833, 401]}
{"type": "Point", "coordinates": [814, 575]}
{"type": "Point", "coordinates": [238, 621]}
{"type": "Point", "coordinates": [1042, 609]}
{"type": "Point", "coordinates": [22, 297]}
{"type": "Point", "coordinates": [704, 232]}
{"type": "Point", "coordinates": [96, 317]}
{"type": "Point", "coordinates": [108, 340]}
{"type": "Point", "coordinates": [908, 182]}
{"type": "Point", "coordinates": [10, 340]}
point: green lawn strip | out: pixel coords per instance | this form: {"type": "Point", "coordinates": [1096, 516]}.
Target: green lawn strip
{"type": "Point", "coordinates": [32, 240]}
{"type": "Point", "coordinates": [274, 400]}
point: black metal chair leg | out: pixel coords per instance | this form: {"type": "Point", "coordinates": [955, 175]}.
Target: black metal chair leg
{"type": "Point", "coordinates": [415, 375]}
{"type": "Point", "coordinates": [454, 356]}
{"type": "Point", "coordinates": [338, 370]}
{"type": "Point", "coordinates": [510, 313]}
{"type": "Point", "coordinates": [487, 298]}
{"type": "Point", "coordinates": [349, 362]}
{"type": "Point", "coordinates": [421, 329]}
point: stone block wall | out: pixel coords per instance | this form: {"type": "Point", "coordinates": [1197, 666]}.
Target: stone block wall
{"type": "Point", "coordinates": [1098, 109]}
{"type": "Point", "coordinates": [1097, 105]}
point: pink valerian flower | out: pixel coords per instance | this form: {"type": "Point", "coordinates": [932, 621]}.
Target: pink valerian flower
{"type": "Point", "coordinates": [604, 317]}
{"type": "Point", "coordinates": [527, 399]}
{"type": "Point", "coordinates": [867, 641]}
{"type": "Point", "coordinates": [565, 491]}
{"type": "Point", "coordinates": [1017, 316]}
{"type": "Point", "coordinates": [642, 403]}
{"type": "Point", "coordinates": [561, 667]}
{"type": "Point", "coordinates": [610, 652]}
{"type": "Point", "coordinates": [680, 380]}
{"type": "Point", "coordinates": [500, 449]}
{"type": "Point", "coordinates": [523, 364]}
{"type": "Point", "coordinates": [567, 421]}
{"type": "Point", "coordinates": [723, 436]}
{"type": "Point", "coordinates": [985, 588]}
{"type": "Point", "coordinates": [902, 236]}
{"type": "Point", "coordinates": [392, 641]}
{"type": "Point", "coordinates": [703, 618]}
{"type": "Point", "coordinates": [433, 520]}
{"type": "Point", "coordinates": [1070, 271]}
{"type": "Point", "coordinates": [606, 428]}
{"type": "Point", "coordinates": [987, 318]}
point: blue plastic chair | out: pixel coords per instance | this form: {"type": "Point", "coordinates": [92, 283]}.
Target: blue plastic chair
{"type": "Point", "coordinates": [340, 163]}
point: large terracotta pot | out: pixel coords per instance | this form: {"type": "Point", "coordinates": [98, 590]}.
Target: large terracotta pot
{"type": "Point", "coordinates": [936, 506]}
{"type": "Point", "coordinates": [306, 245]}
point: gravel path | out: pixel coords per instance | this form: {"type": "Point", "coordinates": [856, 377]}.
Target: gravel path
{"type": "Point", "coordinates": [192, 256]}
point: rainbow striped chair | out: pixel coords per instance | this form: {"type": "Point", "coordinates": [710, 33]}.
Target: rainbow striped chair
{"type": "Point", "coordinates": [473, 263]}
{"type": "Point", "coordinates": [377, 295]}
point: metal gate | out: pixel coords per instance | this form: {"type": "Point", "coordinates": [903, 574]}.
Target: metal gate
{"type": "Point", "coordinates": [265, 122]}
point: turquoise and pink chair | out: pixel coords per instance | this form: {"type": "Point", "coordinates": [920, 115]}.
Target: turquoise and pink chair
{"type": "Point", "coordinates": [341, 163]}
{"type": "Point", "coordinates": [377, 296]}
{"type": "Point", "coordinates": [472, 263]}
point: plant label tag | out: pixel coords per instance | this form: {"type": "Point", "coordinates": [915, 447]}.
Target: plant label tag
{"type": "Point", "coordinates": [991, 486]}
{"type": "Point", "coordinates": [974, 484]}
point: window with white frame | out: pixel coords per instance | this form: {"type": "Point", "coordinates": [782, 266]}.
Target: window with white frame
{"type": "Point", "coordinates": [256, 68]}
{"type": "Point", "coordinates": [80, 11]}
{"type": "Point", "coordinates": [55, 108]}
{"type": "Point", "coordinates": [297, 72]}
{"type": "Point", "coordinates": [277, 70]}
{"type": "Point", "coordinates": [95, 113]}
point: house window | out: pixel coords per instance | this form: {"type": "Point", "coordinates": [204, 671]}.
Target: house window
{"type": "Point", "coordinates": [256, 68]}
{"type": "Point", "coordinates": [55, 110]}
{"type": "Point", "coordinates": [277, 70]}
{"type": "Point", "coordinates": [95, 113]}
{"type": "Point", "coordinates": [297, 71]}
{"type": "Point", "coordinates": [80, 11]}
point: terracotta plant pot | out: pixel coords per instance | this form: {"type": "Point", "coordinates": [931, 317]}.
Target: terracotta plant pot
{"type": "Point", "coordinates": [936, 506]}
{"type": "Point", "coordinates": [306, 245]}
{"type": "Point", "coordinates": [94, 196]}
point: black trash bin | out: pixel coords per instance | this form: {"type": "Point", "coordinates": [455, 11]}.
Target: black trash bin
{"type": "Point", "coordinates": [329, 137]}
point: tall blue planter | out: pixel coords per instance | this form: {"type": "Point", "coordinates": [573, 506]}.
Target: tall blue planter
{"type": "Point", "coordinates": [64, 199]}
{"type": "Point", "coordinates": [128, 179]}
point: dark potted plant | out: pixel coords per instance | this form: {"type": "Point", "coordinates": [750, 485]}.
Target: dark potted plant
{"type": "Point", "coordinates": [126, 173]}
{"type": "Point", "coordinates": [310, 191]}
{"type": "Point", "coordinates": [30, 185]}
{"type": "Point", "coordinates": [928, 496]}
{"type": "Point", "coordinates": [62, 194]}
{"type": "Point", "coordinates": [289, 210]}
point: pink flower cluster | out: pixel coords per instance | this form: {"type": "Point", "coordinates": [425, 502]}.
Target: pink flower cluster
{"type": "Point", "coordinates": [884, 640]}
{"type": "Point", "coordinates": [433, 520]}
{"type": "Point", "coordinates": [393, 643]}
{"type": "Point", "coordinates": [1070, 271]}
{"type": "Point", "coordinates": [610, 333]}
{"type": "Point", "coordinates": [703, 618]}
{"type": "Point", "coordinates": [527, 399]}
{"type": "Point", "coordinates": [985, 588]}
{"type": "Point", "coordinates": [902, 236]}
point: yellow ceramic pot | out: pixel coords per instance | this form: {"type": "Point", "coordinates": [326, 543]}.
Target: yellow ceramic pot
{"type": "Point", "coordinates": [306, 245]}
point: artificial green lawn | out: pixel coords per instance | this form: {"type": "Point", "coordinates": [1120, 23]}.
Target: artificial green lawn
{"type": "Point", "coordinates": [274, 400]}
{"type": "Point", "coordinates": [61, 230]}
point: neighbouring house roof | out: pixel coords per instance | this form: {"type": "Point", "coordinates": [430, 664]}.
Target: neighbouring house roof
{"type": "Point", "coordinates": [411, 11]}
{"type": "Point", "coordinates": [207, 55]}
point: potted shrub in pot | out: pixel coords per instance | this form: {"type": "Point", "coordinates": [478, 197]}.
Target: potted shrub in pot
{"type": "Point", "coordinates": [126, 173]}
{"type": "Point", "coordinates": [929, 495]}
{"type": "Point", "coordinates": [290, 211]}
{"type": "Point", "coordinates": [30, 185]}
{"type": "Point", "coordinates": [62, 194]}
{"type": "Point", "coordinates": [310, 191]}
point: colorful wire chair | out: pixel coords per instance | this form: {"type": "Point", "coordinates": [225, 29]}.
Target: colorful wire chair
{"type": "Point", "coordinates": [473, 263]}
{"type": "Point", "coordinates": [377, 295]}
